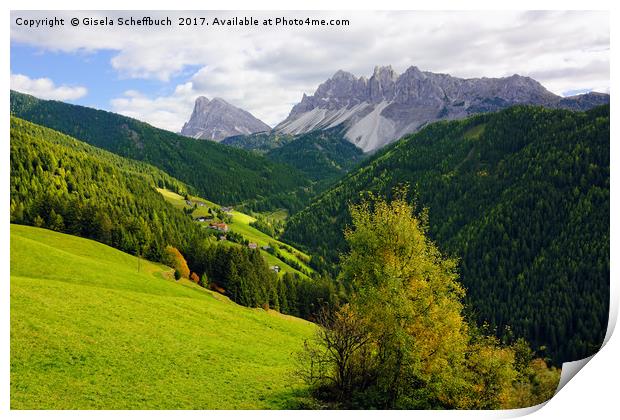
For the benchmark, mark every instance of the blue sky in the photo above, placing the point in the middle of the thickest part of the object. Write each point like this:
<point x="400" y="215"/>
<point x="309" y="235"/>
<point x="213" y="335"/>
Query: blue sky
<point x="89" y="69"/>
<point x="155" y="74"/>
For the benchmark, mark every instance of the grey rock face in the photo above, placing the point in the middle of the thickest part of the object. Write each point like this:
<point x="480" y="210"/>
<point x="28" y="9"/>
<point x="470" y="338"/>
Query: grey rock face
<point x="583" y="102"/>
<point x="217" y="119"/>
<point x="379" y="110"/>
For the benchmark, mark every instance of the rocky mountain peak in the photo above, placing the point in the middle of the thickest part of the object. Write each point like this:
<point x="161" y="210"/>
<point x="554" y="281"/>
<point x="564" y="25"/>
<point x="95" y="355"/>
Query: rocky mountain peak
<point x="201" y="103"/>
<point x="381" y="84"/>
<point x="379" y="110"/>
<point x="343" y="75"/>
<point x="384" y="72"/>
<point x="413" y="72"/>
<point x="217" y="119"/>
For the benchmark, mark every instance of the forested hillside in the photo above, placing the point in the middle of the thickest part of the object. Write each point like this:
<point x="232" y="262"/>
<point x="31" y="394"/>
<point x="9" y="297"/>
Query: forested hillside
<point x="224" y="174"/>
<point x="320" y="155"/>
<point x="65" y="185"/>
<point x="521" y="197"/>
<point x="259" y="142"/>
<point x="69" y="186"/>
<point x="323" y="156"/>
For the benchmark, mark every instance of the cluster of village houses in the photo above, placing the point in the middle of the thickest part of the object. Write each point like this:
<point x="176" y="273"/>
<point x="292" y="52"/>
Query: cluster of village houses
<point x="223" y="227"/>
<point x="219" y="226"/>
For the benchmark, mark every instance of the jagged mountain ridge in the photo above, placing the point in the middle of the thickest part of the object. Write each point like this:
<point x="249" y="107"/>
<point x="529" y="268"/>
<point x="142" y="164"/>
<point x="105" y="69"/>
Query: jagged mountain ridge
<point x="216" y="119"/>
<point x="383" y="108"/>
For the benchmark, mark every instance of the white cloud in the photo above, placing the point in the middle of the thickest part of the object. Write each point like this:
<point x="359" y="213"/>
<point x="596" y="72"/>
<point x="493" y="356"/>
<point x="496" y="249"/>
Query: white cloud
<point x="45" y="88"/>
<point x="168" y="112"/>
<point x="265" y="70"/>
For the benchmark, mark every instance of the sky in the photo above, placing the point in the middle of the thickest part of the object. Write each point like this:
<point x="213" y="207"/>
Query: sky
<point x="155" y="73"/>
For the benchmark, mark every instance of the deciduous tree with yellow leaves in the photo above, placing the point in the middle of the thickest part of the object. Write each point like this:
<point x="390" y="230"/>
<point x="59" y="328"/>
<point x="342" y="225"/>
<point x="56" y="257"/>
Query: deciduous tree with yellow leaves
<point x="402" y="340"/>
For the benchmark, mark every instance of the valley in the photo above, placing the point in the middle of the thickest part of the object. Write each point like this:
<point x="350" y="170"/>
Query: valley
<point x="235" y="221"/>
<point x="155" y="270"/>
<point x="381" y="210"/>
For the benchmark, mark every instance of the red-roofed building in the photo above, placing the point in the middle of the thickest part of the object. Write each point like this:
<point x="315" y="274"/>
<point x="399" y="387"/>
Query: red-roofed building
<point x="222" y="227"/>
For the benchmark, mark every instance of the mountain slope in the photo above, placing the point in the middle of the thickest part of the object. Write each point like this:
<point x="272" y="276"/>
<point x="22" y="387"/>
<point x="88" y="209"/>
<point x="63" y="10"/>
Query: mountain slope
<point x="93" y="328"/>
<point x="521" y="197"/>
<point x="217" y="119"/>
<point x="67" y="185"/>
<point x="224" y="174"/>
<point x="323" y="156"/>
<point x="320" y="155"/>
<point x="259" y="142"/>
<point x="383" y="108"/>
<point x="241" y="223"/>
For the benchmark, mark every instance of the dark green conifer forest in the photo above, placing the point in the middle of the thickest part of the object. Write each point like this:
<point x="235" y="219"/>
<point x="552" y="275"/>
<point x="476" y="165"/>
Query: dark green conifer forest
<point x="520" y="198"/>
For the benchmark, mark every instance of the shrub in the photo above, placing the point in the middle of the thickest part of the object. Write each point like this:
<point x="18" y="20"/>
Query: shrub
<point x="203" y="282"/>
<point x="173" y="258"/>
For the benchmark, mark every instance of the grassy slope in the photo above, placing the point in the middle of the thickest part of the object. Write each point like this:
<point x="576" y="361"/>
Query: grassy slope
<point x="90" y="331"/>
<point x="241" y="224"/>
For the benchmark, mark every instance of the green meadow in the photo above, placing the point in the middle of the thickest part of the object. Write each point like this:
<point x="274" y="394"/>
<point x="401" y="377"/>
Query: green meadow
<point x="241" y="224"/>
<point x="94" y="328"/>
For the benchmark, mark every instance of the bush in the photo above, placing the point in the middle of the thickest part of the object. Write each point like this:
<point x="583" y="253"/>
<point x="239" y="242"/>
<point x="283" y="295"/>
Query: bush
<point x="173" y="258"/>
<point x="204" y="282"/>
